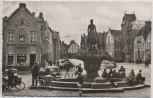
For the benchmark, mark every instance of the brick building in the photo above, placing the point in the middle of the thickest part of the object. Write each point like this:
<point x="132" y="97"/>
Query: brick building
<point x="26" y="38"/>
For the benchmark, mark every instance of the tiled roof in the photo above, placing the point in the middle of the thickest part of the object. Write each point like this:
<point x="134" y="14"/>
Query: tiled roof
<point x="18" y="9"/>
<point x="145" y="30"/>
<point x="115" y="31"/>
<point x="138" y="24"/>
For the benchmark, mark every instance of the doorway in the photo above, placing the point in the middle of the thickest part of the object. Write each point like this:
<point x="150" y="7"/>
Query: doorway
<point x="32" y="59"/>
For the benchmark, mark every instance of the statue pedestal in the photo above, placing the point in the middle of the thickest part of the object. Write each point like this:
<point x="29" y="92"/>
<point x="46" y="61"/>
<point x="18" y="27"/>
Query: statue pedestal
<point x="92" y="62"/>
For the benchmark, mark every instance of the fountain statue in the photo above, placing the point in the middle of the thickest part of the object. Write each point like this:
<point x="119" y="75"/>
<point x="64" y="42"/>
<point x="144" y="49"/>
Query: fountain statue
<point x="92" y="57"/>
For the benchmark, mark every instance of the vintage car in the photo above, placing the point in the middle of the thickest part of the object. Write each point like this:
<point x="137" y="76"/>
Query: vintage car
<point x="53" y="70"/>
<point x="63" y="63"/>
<point x="108" y="64"/>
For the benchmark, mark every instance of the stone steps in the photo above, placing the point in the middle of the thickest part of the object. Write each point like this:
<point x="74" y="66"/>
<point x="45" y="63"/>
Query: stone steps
<point x="90" y="90"/>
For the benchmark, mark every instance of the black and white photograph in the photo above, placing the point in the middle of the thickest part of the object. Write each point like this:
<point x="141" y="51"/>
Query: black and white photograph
<point x="76" y="49"/>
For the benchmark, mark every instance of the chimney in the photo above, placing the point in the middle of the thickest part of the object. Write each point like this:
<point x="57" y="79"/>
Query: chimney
<point x="22" y="5"/>
<point x="33" y="14"/>
<point x="41" y="16"/>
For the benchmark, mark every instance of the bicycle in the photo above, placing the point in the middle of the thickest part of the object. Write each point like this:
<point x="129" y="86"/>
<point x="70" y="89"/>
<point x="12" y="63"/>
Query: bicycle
<point x="15" y="83"/>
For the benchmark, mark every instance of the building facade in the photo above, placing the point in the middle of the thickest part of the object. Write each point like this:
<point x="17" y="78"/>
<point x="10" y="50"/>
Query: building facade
<point x="126" y="28"/>
<point x="63" y="50"/>
<point x="102" y="41"/>
<point x="142" y="43"/>
<point x="27" y="38"/>
<point x="73" y="49"/>
<point x="56" y="46"/>
<point x="112" y="39"/>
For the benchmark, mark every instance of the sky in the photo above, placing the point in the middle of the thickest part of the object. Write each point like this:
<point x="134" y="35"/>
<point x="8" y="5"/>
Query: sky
<point x="72" y="18"/>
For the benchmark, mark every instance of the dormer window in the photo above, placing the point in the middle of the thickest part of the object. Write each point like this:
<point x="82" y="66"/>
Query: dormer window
<point x="21" y="38"/>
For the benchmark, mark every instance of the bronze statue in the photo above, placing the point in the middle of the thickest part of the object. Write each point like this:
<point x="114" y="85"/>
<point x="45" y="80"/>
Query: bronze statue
<point x="92" y="35"/>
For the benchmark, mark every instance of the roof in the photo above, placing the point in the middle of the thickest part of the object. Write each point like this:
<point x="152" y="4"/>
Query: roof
<point x="114" y="31"/>
<point x="73" y="43"/>
<point x="128" y="18"/>
<point x="145" y="30"/>
<point x="22" y="6"/>
<point x="137" y="24"/>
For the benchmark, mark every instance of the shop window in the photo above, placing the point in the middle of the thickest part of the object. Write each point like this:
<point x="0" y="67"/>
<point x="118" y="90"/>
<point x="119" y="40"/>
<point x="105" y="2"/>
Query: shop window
<point x="21" y="59"/>
<point x="10" y="59"/>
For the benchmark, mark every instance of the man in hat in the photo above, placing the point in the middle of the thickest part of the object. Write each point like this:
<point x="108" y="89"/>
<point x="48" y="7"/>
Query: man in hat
<point x="34" y="71"/>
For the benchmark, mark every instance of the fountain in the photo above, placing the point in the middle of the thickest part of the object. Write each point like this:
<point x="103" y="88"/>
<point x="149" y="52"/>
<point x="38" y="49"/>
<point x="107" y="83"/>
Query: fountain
<point x="92" y="57"/>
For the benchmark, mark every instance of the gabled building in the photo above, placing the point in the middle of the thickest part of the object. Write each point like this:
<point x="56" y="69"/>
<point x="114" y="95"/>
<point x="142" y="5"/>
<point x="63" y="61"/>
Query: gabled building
<point x="22" y="40"/>
<point x="142" y="43"/>
<point x="73" y="49"/>
<point x="28" y="39"/>
<point x="113" y="38"/>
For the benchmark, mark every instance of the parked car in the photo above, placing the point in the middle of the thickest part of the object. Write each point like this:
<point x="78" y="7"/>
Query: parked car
<point x="54" y="71"/>
<point x="108" y="64"/>
<point x="63" y="63"/>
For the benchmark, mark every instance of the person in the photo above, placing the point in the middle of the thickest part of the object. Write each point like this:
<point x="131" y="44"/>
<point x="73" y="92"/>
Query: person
<point x="80" y="81"/>
<point x="132" y="73"/>
<point x="57" y="62"/>
<point x="34" y="71"/>
<point x="92" y="35"/>
<point x="122" y="72"/>
<point x="104" y="74"/>
<point x="139" y="77"/>
<point x="114" y="74"/>
<point x="109" y="75"/>
<point x="130" y="78"/>
<point x="74" y="71"/>
<point x="10" y="75"/>
<point x="146" y="63"/>
<point x="67" y="71"/>
<point x="48" y="78"/>
<point x="79" y="68"/>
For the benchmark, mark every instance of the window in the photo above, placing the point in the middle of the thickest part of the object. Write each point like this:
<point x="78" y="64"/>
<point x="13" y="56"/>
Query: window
<point x="21" y="59"/>
<point x="10" y="36"/>
<point x="108" y="39"/>
<point x="33" y="37"/>
<point x="21" y="38"/>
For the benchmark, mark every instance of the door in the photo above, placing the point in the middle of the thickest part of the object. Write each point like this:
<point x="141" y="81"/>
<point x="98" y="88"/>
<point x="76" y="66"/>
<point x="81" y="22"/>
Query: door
<point x="32" y="59"/>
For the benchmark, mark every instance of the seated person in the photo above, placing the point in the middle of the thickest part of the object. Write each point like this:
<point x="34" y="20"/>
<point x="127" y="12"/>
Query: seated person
<point x="109" y="75"/>
<point x="139" y="77"/>
<point x="104" y="74"/>
<point x="130" y="78"/>
<point x="132" y="73"/>
<point x="122" y="69"/>
<point x="114" y="74"/>
<point x="122" y="72"/>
